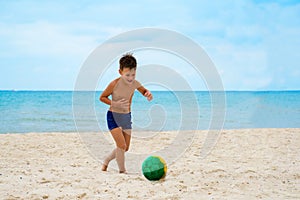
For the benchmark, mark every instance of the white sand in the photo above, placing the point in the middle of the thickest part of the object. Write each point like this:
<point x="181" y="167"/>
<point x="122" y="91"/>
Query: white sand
<point x="244" y="164"/>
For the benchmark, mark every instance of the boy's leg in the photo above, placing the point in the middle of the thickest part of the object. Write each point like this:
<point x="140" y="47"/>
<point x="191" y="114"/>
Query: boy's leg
<point x="121" y="147"/>
<point x="109" y="158"/>
<point x="120" y="158"/>
<point x="127" y="136"/>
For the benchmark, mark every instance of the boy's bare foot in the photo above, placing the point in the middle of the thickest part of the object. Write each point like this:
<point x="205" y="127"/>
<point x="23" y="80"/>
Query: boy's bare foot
<point x="122" y="172"/>
<point x="104" y="167"/>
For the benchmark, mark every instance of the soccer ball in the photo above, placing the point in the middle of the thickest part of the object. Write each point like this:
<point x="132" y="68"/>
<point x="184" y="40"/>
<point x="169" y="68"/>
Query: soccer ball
<point x="154" y="168"/>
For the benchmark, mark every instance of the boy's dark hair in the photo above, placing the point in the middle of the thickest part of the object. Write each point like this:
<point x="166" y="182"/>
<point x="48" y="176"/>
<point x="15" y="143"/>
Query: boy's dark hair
<point x="127" y="61"/>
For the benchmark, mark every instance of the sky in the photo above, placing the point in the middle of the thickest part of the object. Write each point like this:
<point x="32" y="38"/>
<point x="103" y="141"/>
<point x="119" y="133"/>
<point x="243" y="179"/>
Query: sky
<point x="254" y="44"/>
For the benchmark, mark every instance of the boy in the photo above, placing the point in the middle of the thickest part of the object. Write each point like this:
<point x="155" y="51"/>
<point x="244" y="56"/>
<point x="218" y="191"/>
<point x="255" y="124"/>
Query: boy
<point x="119" y="115"/>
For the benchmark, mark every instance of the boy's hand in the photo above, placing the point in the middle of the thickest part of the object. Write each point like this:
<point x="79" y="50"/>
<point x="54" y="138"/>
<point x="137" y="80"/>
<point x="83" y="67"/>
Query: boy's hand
<point x="120" y="103"/>
<point x="148" y="95"/>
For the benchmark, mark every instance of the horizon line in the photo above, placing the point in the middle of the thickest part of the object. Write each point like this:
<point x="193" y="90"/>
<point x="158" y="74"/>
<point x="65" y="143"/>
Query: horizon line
<point x="53" y="90"/>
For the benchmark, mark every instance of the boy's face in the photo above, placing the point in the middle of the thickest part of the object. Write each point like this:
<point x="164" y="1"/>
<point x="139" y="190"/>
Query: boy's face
<point x="128" y="75"/>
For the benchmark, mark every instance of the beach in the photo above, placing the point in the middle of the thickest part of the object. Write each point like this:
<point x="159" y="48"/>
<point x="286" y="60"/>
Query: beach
<point x="243" y="164"/>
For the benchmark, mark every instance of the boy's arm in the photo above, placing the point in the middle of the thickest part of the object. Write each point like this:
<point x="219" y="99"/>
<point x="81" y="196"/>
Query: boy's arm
<point x="145" y="93"/>
<point x="107" y="92"/>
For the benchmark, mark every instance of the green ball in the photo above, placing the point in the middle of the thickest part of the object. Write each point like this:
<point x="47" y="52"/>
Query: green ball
<point x="154" y="168"/>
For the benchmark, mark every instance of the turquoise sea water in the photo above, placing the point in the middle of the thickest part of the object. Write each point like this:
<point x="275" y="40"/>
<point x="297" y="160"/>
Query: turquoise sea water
<point x="53" y="111"/>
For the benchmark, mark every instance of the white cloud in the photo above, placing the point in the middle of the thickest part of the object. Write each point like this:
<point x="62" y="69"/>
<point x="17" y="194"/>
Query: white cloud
<point x="46" y="39"/>
<point x="242" y="68"/>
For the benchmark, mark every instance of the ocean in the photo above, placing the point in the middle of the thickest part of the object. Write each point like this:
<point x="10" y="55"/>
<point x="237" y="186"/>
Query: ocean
<point x="58" y="111"/>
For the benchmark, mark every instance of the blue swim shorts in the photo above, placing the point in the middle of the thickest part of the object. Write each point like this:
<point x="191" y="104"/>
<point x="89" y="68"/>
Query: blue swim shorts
<point x="115" y="120"/>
